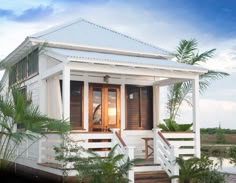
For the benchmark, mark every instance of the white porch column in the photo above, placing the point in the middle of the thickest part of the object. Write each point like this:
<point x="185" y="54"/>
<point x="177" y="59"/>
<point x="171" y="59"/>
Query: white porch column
<point x="122" y="106"/>
<point x="156" y="106"/>
<point x="86" y="107"/>
<point x="43" y="96"/>
<point x="66" y="92"/>
<point x="196" y="125"/>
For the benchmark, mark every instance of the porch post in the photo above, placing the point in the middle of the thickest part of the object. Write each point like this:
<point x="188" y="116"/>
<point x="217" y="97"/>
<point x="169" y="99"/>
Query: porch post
<point x="156" y="106"/>
<point x="86" y="108"/>
<point x="66" y="92"/>
<point x="43" y="96"/>
<point x="196" y="125"/>
<point x="122" y="106"/>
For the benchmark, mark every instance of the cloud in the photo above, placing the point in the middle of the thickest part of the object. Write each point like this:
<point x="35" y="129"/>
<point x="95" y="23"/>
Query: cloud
<point x="28" y="15"/>
<point x="225" y="58"/>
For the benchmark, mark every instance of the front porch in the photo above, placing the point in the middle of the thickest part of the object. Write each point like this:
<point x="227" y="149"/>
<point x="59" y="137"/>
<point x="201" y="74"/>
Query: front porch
<point x="93" y="81"/>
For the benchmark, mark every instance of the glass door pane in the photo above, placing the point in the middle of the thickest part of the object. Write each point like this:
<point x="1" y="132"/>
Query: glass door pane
<point x="112" y="106"/>
<point x="97" y="106"/>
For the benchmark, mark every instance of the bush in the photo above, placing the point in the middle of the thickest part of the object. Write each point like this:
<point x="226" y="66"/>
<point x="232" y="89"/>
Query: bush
<point x="198" y="170"/>
<point x="232" y="155"/>
<point x="171" y="125"/>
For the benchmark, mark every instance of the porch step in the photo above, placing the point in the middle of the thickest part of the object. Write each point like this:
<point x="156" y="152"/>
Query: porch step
<point x="151" y="177"/>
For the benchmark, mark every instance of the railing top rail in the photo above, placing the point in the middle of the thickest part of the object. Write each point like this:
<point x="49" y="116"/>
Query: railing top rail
<point x="120" y="139"/>
<point x="163" y="138"/>
<point x="74" y="132"/>
<point x="178" y="132"/>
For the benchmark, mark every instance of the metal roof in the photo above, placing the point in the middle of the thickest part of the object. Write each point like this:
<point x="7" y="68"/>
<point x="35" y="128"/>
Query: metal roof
<point x="124" y="60"/>
<point x="83" y="32"/>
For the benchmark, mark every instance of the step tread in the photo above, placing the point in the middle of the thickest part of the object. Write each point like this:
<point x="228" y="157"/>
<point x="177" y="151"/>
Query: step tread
<point x="151" y="177"/>
<point x="148" y="164"/>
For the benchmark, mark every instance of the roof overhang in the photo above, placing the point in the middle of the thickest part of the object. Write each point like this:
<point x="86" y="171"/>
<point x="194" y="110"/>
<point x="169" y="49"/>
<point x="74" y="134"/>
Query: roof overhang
<point x="92" y="58"/>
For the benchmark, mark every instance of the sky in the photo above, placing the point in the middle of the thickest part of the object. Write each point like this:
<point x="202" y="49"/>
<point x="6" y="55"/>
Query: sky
<point x="160" y="22"/>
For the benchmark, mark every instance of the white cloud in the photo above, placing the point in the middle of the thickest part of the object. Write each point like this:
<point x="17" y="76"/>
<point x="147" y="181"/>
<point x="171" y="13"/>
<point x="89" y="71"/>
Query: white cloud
<point x="212" y="113"/>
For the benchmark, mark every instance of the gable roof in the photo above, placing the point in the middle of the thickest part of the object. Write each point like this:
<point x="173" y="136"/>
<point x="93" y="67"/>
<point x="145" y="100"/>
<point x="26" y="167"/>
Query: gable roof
<point x="83" y="32"/>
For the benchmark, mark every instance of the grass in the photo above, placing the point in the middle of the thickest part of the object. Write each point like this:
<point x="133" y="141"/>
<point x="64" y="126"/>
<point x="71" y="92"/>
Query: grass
<point x="211" y="148"/>
<point x="211" y="138"/>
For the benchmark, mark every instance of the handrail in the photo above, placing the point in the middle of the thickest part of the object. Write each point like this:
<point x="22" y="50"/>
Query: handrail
<point x="178" y="132"/>
<point x="120" y="139"/>
<point x="74" y="132"/>
<point x="163" y="138"/>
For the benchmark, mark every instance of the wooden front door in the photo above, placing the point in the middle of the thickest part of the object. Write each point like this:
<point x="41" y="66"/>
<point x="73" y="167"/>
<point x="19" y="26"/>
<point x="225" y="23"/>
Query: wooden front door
<point x="104" y="107"/>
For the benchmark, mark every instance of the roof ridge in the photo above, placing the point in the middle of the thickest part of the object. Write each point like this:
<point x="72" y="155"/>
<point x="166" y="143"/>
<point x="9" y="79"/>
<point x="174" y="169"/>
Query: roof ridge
<point x="125" y="35"/>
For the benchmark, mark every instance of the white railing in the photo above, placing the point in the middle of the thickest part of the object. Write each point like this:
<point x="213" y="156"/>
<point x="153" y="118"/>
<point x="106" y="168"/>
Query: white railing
<point x="165" y="154"/>
<point x="98" y="142"/>
<point x="46" y="148"/>
<point x="183" y="142"/>
<point x="170" y="145"/>
<point x="122" y="148"/>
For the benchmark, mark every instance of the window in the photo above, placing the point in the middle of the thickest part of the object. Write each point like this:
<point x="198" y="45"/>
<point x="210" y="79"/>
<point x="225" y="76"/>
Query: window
<point x="25" y="68"/>
<point x="22" y="69"/>
<point x="12" y="75"/>
<point x="76" y="105"/>
<point x="33" y="63"/>
<point x="139" y="107"/>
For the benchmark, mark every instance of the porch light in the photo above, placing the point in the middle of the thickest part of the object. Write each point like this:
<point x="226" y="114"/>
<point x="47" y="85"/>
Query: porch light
<point x="106" y="78"/>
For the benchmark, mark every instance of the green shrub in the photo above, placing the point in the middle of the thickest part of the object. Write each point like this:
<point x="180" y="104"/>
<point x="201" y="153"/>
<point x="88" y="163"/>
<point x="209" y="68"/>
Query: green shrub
<point x="171" y="125"/>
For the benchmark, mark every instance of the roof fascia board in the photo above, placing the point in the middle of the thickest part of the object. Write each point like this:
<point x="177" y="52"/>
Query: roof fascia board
<point x="100" y="50"/>
<point x="98" y="68"/>
<point x="169" y="81"/>
<point x="201" y="71"/>
<point x="17" y="49"/>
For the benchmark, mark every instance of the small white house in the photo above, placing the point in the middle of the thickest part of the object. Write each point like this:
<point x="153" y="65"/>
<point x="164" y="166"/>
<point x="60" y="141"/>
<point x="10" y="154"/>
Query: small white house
<point x="108" y="85"/>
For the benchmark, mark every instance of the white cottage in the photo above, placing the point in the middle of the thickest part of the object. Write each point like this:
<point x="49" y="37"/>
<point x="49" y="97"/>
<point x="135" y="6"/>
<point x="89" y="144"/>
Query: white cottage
<point x="108" y="85"/>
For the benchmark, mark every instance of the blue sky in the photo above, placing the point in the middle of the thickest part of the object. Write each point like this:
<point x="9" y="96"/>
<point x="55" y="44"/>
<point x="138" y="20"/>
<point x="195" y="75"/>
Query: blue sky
<point x="161" y="22"/>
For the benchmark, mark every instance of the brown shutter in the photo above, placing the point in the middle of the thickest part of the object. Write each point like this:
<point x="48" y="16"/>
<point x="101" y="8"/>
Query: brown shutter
<point x="139" y="107"/>
<point x="76" y="105"/>
<point x="133" y="107"/>
<point x="147" y="108"/>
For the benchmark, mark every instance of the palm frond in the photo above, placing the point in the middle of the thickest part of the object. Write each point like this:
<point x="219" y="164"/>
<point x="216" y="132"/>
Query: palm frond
<point x="185" y="50"/>
<point x="201" y="58"/>
<point x="188" y="53"/>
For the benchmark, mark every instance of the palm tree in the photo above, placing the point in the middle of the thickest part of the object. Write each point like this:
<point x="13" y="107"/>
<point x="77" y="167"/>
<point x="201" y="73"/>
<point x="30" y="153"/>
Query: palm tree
<point x="188" y="53"/>
<point x="15" y="111"/>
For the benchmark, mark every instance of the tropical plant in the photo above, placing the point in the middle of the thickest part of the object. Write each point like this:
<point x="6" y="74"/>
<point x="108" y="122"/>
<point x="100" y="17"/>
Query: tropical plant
<point x="96" y="169"/>
<point x="198" y="170"/>
<point x="188" y="53"/>
<point x="171" y="125"/>
<point x="15" y="111"/>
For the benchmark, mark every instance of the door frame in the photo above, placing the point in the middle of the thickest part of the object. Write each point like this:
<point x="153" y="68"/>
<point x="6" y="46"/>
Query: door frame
<point x="104" y="89"/>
